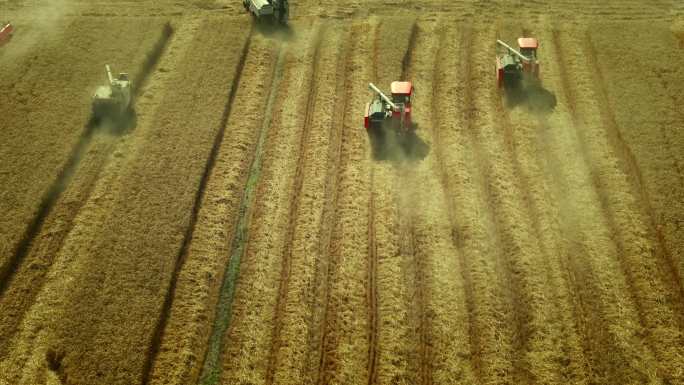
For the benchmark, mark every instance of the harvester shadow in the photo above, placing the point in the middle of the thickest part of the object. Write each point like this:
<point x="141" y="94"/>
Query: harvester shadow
<point x="386" y="145"/>
<point x="115" y="126"/>
<point x="274" y="30"/>
<point x="533" y="97"/>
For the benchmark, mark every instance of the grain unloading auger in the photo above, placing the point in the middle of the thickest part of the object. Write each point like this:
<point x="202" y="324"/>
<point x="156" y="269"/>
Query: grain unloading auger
<point x="394" y="113"/>
<point x="114" y="99"/>
<point x="515" y="66"/>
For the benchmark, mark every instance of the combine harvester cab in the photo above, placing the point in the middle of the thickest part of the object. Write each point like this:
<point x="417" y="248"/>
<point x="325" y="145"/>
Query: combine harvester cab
<point x="514" y="67"/>
<point x="276" y="11"/>
<point x="6" y="31"/>
<point x="112" y="100"/>
<point x="383" y="112"/>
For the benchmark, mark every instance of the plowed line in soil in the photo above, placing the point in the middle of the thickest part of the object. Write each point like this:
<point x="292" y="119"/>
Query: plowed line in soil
<point x="294" y="208"/>
<point x="211" y="367"/>
<point x="372" y="286"/>
<point x="67" y="172"/>
<point x="330" y="215"/>
<point x="632" y="170"/>
<point x="155" y="344"/>
<point x="474" y="339"/>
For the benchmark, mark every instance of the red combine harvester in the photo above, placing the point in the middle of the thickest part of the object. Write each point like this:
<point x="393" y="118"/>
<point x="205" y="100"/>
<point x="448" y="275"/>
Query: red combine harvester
<point x="6" y="30"/>
<point x="395" y="114"/>
<point x="514" y="67"/>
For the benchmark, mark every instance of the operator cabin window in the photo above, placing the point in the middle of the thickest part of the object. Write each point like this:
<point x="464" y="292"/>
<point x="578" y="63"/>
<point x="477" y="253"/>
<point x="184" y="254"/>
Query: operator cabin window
<point x="528" y="52"/>
<point x="400" y="99"/>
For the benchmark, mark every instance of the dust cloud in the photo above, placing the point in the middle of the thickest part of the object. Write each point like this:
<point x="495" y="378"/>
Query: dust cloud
<point x="45" y="19"/>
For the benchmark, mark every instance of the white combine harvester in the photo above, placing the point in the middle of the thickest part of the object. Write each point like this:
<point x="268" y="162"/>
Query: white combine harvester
<point x="268" y="10"/>
<point x="112" y="100"/>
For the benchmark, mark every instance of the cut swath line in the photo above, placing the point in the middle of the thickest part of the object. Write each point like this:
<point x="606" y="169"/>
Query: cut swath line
<point x="482" y="165"/>
<point x="295" y="198"/>
<point x="372" y="286"/>
<point x="474" y="342"/>
<point x="408" y="229"/>
<point x="211" y="369"/>
<point x="330" y="214"/>
<point x="182" y="255"/>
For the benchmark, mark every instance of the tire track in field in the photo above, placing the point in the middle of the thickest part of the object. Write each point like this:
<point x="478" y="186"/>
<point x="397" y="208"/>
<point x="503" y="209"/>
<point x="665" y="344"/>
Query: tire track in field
<point x="372" y="286"/>
<point x="456" y="240"/>
<point x="632" y="172"/>
<point x="211" y="367"/>
<point x="324" y="270"/>
<point x="296" y="359"/>
<point x="153" y="350"/>
<point x="514" y="303"/>
<point x="552" y="336"/>
<point x="408" y="232"/>
<point x="341" y="359"/>
<point x="537" y="332"/>
<point x="294" y="208"/>
<point x="540" y="263"/>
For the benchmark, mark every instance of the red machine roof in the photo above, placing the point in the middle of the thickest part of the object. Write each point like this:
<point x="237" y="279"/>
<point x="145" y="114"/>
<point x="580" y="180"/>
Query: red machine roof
<point x="528" y="42"/>
<point x="401" y="88"/>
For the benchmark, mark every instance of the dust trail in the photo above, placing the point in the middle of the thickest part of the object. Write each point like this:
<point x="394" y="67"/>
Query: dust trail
<point x="45" y="20"/>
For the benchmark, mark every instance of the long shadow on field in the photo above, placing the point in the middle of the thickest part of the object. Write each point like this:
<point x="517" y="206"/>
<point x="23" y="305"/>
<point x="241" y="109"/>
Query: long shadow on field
<point x="534" y="97"/>
<point x="386" y="145"/>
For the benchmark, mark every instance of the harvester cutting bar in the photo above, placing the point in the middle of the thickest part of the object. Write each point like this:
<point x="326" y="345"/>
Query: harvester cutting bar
<point x="508" y="47"/>
<point x="383" y="96"/>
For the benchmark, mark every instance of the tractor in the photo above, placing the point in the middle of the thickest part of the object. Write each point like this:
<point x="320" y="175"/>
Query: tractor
<point x="517" y="68"/>
<point x="113" y="100"/>
<point x="275" y="11"/>
<point x="6" y="31"/>
<point x="394" y="114"/>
